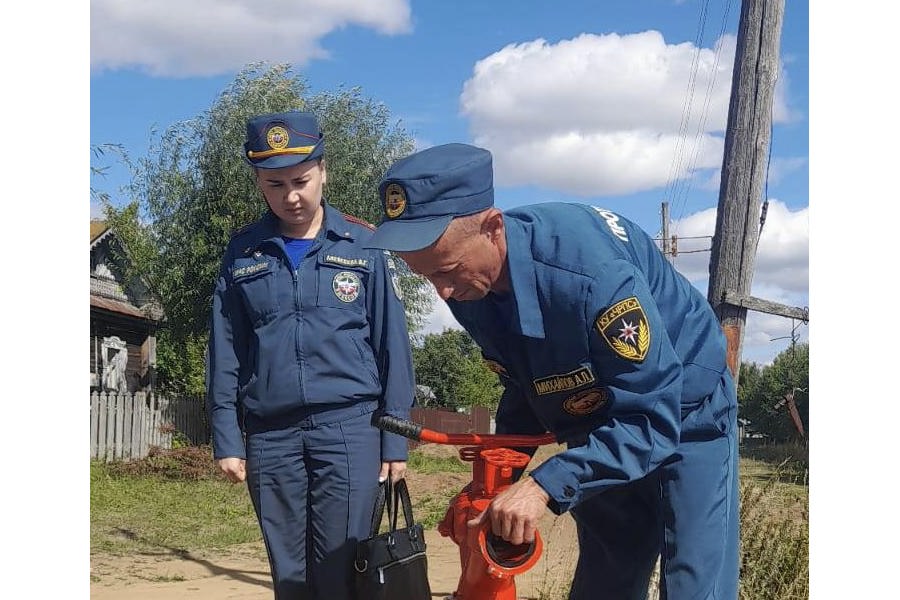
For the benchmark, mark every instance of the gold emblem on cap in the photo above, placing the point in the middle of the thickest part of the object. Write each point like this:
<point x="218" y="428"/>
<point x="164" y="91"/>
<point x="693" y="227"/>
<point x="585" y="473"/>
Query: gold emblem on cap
<point x="394" y="200"/>
<point x="277" y="137"/>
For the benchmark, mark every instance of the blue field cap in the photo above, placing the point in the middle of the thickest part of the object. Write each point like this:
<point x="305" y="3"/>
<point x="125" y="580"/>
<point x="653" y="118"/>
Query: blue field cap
<point x="283" y="139"/>
<point x="422" y="193"/>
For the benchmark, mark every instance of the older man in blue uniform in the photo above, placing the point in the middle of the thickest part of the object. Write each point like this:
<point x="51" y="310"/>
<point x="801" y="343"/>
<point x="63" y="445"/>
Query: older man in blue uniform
<point x="598" y="339"/>
<point x="308" y="337"/>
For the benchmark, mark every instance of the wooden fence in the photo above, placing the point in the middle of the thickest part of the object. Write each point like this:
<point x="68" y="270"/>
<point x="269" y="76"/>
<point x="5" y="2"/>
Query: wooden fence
<point x="125" y="426"/>
<point x="476" y="420"/>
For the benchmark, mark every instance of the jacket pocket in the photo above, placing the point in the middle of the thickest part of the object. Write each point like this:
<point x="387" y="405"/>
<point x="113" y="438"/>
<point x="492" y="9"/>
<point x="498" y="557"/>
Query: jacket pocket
<point x="259" y="294"/>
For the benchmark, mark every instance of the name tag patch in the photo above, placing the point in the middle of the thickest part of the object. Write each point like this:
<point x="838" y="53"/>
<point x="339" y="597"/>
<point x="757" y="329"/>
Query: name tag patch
<point x="249" y="270"/>
<point x="343" y="261"/>
<point x="564" y="382"/>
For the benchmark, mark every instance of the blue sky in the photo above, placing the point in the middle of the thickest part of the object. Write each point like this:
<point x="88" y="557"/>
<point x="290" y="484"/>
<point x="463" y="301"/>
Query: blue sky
<point x="619" y="104"/>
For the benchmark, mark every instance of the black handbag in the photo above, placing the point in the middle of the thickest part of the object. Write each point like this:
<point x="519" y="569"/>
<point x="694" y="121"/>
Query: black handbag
<point x="392" y="565"/>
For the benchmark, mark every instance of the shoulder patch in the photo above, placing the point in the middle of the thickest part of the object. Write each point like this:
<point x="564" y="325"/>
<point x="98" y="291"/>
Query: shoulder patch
<point x="358" y="221"/>
<point x="625" y="328"/>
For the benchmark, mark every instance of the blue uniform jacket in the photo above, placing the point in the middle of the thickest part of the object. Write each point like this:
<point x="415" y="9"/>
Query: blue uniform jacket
<point x="284" y="343"/>
<point x="601" y="342"/>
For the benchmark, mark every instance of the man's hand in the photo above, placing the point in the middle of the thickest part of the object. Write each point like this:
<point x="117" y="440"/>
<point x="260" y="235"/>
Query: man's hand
<point x="234" y="468"/>
<point x="395" y="468"/>
<point x="514" y="513"/>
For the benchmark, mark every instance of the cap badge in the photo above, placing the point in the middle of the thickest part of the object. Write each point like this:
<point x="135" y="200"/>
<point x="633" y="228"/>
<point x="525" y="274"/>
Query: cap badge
<point x="277" y="137"/>
<point x="394" y="200"/>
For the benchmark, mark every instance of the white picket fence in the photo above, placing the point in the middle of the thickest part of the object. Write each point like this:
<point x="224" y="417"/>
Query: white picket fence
<point x="125" y="426"/>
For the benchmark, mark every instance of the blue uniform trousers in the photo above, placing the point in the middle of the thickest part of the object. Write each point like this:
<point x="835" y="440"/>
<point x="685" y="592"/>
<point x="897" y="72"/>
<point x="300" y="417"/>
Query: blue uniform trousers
<point x="313" y="486"/>
<point x="686" y="511"/>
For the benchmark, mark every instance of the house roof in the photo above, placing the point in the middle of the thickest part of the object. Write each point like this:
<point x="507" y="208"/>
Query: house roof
<point x="150" y="312"/>
<point x="101" y="290"/>
<point x="117" y="306"/>
<point x="97" y="227"/>
<point x="99" y="231"/>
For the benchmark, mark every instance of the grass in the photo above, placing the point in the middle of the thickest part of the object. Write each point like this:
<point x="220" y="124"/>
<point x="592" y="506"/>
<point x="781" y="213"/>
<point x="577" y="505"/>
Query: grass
<point x="422" y="462"/>
<point x="774" y="529"/>
<point x="144" y="507"/>
<point x="176" y="501"/>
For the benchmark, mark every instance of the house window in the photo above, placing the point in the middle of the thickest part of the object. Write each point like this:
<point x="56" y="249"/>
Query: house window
<point x="114" y="352"/>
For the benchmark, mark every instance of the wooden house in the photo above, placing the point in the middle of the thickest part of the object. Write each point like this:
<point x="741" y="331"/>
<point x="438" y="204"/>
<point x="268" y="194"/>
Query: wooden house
<point x="124" y="320"/>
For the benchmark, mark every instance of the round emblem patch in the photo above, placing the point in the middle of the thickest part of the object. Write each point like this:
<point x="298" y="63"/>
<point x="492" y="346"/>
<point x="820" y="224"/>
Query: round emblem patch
<point x="586" y="401"/>
<point x="346" y="286"/>
<point x="394" y="200"/>
<point x="277" y="137"/>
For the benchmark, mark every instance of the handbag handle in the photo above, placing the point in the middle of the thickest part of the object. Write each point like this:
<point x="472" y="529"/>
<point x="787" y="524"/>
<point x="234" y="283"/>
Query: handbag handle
<point x="389" y="496"/>
<point x="378" y="510"/>
<point x="400" y="493"/>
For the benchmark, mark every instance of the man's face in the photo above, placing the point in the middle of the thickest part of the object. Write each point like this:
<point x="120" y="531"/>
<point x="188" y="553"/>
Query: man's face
<point x="293" y="193"/>
<point x="459" y="265"/>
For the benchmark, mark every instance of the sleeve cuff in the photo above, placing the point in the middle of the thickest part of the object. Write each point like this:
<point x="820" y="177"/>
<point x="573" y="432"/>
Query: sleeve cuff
<point x="563" y="488"/>
<point x="393" y="447"/>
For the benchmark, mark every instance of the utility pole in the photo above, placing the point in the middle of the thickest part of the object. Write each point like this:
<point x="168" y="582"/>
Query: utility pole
<point x="747" y="140"/>
<point x="666" y="245"/>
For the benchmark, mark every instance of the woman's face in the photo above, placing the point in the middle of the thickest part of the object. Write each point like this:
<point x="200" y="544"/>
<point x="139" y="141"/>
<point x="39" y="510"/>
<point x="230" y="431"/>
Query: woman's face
<point x="294" y="193"/>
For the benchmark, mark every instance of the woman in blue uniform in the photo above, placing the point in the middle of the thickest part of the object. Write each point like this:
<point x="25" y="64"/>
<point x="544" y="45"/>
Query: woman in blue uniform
<point x="307" y="338"/>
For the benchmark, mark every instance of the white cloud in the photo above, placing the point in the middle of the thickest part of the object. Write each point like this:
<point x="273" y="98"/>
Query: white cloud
<point x="209" y="37"/>
<point x="782" y="257"/>
<point x="781" y="275"/>
<point x="603" y="114"/>
<point x="440" y="318"/>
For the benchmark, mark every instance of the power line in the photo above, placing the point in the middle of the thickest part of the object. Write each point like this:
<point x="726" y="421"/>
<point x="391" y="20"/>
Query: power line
<point x="704" y="114"/>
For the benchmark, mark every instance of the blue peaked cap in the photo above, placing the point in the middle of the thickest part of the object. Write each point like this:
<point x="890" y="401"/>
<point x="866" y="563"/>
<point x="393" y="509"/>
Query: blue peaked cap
<point x="422" y="193"/>
<point x="285" y="139"/>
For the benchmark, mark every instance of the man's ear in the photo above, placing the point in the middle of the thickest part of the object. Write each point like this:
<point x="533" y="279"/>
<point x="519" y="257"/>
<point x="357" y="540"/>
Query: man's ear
<point x="492" y="225"/>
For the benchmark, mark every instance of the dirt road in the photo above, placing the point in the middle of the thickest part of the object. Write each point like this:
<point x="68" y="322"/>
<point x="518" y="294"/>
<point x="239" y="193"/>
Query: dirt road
<point x="243" y="573"/>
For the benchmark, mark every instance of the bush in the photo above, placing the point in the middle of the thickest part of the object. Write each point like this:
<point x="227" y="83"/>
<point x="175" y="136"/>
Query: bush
<point x="191" y="463"/>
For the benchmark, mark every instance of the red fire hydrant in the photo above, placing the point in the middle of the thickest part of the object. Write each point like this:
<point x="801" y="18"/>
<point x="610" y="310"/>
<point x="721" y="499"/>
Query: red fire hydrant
<point x="489" y="564"/>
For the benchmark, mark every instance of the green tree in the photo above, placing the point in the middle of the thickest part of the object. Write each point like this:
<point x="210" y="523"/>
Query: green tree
<point x="193" y="190"/>
<point x="762" y="393"/>
<point x="450" y="363"/>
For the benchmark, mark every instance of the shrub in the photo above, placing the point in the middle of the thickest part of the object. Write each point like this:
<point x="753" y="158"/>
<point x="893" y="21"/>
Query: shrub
<point x="192" y="463"/>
